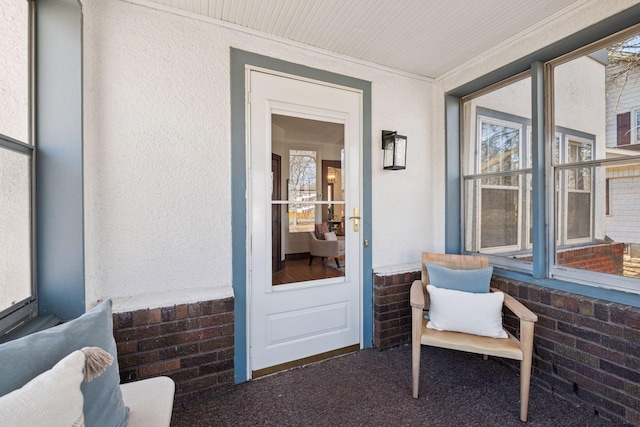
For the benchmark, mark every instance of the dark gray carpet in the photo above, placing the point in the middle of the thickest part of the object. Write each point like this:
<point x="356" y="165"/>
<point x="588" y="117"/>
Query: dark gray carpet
<point x="373" y="388"/>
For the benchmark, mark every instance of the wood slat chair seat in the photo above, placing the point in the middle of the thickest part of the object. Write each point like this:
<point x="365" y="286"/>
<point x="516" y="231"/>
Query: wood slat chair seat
<point x="511" y="347"/>
<point x="508" y="348"/>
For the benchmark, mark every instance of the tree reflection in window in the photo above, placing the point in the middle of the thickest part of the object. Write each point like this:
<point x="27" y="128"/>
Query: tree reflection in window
<point x="302" y="190"/>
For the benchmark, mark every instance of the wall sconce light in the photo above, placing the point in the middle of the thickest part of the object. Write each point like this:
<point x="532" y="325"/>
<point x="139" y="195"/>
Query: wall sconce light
<point x="331" y="175"/>
<point x="395" y="150"/>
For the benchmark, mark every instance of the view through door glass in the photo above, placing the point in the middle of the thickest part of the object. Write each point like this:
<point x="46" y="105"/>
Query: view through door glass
<point x="308" y="202"/>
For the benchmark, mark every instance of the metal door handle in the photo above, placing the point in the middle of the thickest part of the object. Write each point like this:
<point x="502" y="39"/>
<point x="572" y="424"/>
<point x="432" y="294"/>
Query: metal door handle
<point x="356" y="219"/>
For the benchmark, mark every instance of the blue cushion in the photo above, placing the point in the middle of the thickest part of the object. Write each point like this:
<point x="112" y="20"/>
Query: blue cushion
<point x="25" y="358"/>
<point x="476" y="281"/>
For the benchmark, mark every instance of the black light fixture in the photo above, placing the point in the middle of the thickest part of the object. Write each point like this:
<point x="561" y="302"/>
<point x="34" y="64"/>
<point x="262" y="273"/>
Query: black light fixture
<point x="395" y="150"/>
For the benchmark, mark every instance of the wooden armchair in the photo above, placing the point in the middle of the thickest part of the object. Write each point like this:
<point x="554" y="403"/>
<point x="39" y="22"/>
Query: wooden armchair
<point x="510" y="347"/>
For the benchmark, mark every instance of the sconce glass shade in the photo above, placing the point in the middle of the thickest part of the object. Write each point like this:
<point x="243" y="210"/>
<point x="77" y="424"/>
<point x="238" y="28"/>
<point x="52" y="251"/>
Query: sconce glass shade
<point x="395" y="150"/>
<point x="331" y="175"/>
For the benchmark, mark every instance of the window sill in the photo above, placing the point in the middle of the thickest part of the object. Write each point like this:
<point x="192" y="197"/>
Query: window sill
<point x="36" y="324"/>
<point x="611" y="295"/>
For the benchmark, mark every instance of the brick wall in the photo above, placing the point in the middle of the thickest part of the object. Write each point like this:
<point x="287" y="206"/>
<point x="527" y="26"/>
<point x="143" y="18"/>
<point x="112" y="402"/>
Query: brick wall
<point x="602" y="258"/>
<point x="391" y="309"/>
<point x="585" y="350"/>
<point x="191" y="343"/>
<point x="606" y="258"/>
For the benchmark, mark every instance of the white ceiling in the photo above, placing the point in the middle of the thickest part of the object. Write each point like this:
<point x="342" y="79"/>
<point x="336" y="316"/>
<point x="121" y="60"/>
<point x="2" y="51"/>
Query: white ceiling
<point x="422" y="37"/>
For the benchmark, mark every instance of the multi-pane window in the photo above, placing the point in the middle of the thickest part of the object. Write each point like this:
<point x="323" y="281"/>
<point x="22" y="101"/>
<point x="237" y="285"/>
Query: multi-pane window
<point x="16" y="162"/>
<point x="591" y="163"/>
<point x="497" y="177"/>
<point x="500" y="196"/>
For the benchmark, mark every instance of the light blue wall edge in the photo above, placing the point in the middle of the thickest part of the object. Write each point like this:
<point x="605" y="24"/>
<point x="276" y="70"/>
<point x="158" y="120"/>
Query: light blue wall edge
<point x="239" y="59"/>
<point x="59" y="172"/>
<point x="533" y="62"/>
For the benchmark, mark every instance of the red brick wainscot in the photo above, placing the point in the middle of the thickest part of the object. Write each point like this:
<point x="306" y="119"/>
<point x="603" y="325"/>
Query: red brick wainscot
<point x="391" y="309"/>
<point x="191" y="343"/>
<point x="586" y="350"/>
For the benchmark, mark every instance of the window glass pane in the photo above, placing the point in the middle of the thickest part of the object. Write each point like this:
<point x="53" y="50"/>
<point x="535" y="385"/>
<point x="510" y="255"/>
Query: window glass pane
<point x="596" y="105"/>
<point x="302" y="190"/>
<point x="499" y="147"/>
<point x="499" y="217"/>
<point x="497" y="190"/>
<point x="14" y="66"/>
<point x="579" y="211"/>
<point x="15" y="228"/>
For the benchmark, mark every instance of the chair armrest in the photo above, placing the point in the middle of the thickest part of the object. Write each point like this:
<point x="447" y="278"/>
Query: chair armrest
<point x="517" y="308"/>
<point x="324" y="245"/>
<point x="417" y="295"/>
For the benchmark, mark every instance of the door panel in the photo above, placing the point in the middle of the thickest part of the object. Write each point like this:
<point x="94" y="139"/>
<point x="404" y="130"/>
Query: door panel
<point x="308" y="317"/>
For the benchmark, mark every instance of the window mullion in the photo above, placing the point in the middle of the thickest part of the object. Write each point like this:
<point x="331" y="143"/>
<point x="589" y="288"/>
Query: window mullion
<point x="539" y="182"/>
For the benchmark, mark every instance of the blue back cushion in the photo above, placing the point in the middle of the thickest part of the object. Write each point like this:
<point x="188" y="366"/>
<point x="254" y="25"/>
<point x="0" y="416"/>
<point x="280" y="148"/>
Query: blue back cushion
<point x="25" y="358"/>
<point x="476" y="281"/>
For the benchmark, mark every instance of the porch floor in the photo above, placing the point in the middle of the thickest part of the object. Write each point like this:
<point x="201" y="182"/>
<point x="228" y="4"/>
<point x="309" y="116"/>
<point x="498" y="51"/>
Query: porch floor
<point x="373" y="388"/>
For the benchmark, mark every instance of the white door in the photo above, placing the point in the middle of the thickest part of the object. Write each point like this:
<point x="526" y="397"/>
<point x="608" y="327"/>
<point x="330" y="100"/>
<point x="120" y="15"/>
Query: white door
<point x="302" y="318"/>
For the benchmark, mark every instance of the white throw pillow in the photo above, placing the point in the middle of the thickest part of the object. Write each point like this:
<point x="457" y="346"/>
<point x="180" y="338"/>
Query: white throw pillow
<point x="53" y="398"/>
<point x="330" y="236"/>
<point x="467" y="312"/>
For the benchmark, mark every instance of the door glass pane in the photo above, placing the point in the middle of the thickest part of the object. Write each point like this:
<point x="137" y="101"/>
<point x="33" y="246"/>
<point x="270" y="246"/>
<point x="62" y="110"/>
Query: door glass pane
<point x="308" y="199"/>
<point x="15" y="228"/>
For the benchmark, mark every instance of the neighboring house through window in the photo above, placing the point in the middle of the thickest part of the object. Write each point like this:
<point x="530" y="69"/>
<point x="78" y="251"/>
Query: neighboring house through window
<point x="588" y="187"/>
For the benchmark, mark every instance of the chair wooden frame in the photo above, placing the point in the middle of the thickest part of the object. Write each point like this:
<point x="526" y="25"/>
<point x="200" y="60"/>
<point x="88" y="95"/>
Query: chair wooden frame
<point x="510" y="348"/>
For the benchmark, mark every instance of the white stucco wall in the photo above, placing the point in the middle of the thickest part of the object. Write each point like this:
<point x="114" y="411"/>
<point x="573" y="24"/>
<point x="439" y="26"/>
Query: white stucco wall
<point x="157" y="153"/>
<point x="14" y="75"/>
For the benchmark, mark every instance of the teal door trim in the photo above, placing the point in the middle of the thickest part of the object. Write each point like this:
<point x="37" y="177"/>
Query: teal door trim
<point x="239" y="61"/>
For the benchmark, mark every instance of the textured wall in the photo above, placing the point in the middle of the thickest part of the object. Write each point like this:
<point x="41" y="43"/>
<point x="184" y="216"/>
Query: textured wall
<point x="157" y="154"/>
<point x="14" y="78"/>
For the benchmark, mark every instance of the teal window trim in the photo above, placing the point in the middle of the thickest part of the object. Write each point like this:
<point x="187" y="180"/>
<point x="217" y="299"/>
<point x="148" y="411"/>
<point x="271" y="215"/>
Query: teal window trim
<point x="59" y="169"/>
<point x="535" y="63"/>
<point x="453" y="181"/>
<point x="239" y="60"/>
<point x="539" y="208"/>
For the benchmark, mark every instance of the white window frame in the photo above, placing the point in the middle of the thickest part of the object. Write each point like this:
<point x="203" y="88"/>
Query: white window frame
<point x="636" y="127"/>
<point x="480" y="120"/>
<point x="569" y="140"/>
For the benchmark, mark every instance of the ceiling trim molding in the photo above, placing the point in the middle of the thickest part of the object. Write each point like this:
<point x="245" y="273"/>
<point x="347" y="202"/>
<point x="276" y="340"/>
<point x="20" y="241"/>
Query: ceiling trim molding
<point x="177" y="11"/>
